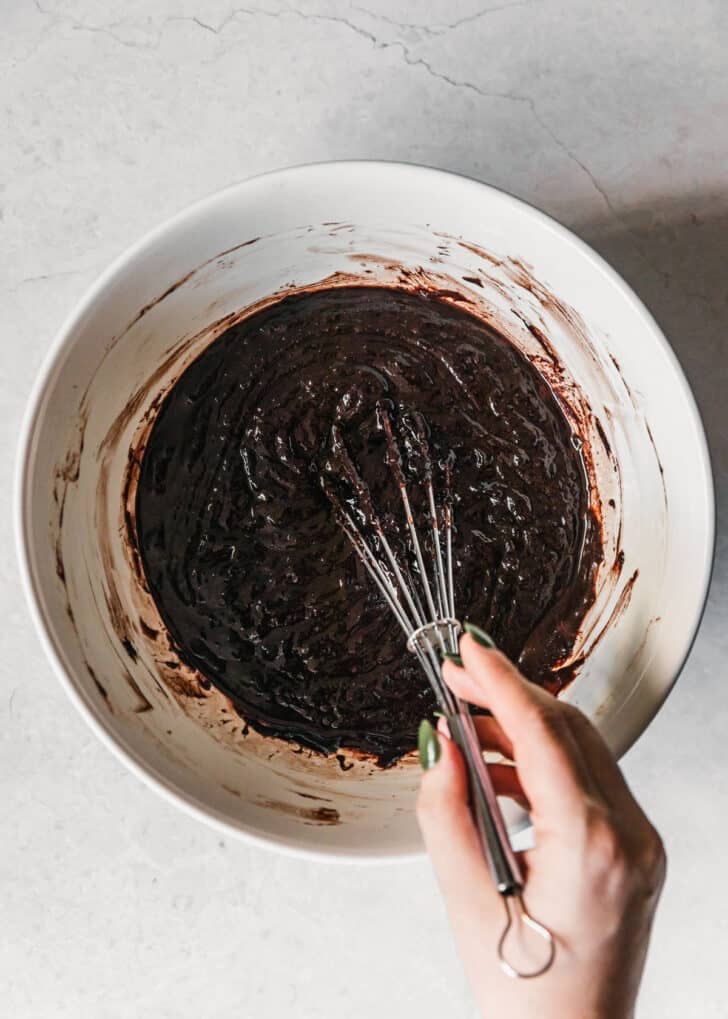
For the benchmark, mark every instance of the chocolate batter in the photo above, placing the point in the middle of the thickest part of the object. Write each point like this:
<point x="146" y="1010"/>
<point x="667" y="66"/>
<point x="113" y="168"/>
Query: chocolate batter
<point x="253" y="576"/>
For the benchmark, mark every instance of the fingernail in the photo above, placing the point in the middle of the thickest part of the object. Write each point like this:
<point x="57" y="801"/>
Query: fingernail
<point x="428" y="745"/>
<point x="455" y="659"/>
<point x="479" y="636"/>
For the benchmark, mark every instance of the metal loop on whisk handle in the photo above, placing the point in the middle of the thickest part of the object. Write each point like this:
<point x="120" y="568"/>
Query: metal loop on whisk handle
<point x="498" y="852"/>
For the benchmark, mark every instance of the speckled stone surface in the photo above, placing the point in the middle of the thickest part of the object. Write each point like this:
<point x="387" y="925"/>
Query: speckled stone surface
<point x="611" y="118"/>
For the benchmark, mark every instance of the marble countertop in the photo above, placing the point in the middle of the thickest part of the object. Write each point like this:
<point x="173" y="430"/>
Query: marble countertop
<point x="611" y="117"/>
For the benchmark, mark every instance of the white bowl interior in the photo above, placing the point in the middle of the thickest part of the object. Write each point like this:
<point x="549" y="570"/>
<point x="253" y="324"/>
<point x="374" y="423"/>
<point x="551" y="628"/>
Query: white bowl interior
<point x="164" y="301"/>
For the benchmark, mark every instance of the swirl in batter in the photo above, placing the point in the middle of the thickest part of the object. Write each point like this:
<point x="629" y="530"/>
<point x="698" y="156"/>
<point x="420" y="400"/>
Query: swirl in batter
<point x="257" y="584"/>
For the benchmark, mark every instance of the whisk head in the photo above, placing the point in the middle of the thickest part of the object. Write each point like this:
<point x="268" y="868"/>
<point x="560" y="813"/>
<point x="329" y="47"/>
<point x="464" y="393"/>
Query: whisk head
<point x="416" y="578"/>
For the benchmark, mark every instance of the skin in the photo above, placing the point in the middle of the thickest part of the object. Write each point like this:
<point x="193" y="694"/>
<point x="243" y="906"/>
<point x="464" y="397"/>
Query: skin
<point x="595" y="875"/>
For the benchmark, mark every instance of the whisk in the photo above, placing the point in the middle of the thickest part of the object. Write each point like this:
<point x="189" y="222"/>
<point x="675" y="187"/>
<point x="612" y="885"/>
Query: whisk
<point x="422" y="598"/>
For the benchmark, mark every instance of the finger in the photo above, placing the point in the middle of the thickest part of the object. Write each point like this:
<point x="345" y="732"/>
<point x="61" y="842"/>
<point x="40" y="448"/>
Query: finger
<point x="451" y="837"/>
<point x="504" y="776"/>
<point x="552" y="773"/>
<point x="602" y="766"/>
<point x="442" y="727"/>
<point x="492" y="737"/>
<point x="507" y="783"/>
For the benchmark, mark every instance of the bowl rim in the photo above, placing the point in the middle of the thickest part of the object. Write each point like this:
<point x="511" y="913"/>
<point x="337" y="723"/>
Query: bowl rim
<point x="135" y="761"/>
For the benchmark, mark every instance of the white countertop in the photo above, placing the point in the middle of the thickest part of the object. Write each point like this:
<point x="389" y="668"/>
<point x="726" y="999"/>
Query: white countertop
<point x="611" y="117"/>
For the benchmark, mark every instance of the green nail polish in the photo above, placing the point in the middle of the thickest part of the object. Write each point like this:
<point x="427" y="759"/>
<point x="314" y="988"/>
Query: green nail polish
<point x="428" y="745"/>
<point x="455" y="659"/>
<point x="479" y="636"/>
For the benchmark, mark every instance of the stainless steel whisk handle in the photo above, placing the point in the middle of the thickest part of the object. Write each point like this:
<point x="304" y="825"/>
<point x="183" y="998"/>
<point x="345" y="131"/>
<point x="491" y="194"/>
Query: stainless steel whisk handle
<point x="488" y="816"/>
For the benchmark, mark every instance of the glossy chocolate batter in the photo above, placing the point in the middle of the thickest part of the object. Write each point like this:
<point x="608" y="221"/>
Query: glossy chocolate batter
<point x="253" y="576"/>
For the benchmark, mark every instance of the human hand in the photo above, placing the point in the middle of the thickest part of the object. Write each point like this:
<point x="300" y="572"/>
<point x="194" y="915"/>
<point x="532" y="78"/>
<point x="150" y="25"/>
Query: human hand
<point x="595" y="874"/>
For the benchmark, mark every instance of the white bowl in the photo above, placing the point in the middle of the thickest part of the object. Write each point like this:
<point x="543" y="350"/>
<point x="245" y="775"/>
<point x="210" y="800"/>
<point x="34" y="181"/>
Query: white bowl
<point x="156" y="308"/>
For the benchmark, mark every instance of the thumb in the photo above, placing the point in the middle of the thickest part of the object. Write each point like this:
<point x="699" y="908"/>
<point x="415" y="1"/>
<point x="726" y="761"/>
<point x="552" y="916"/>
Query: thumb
<point x="450" y="835"/>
